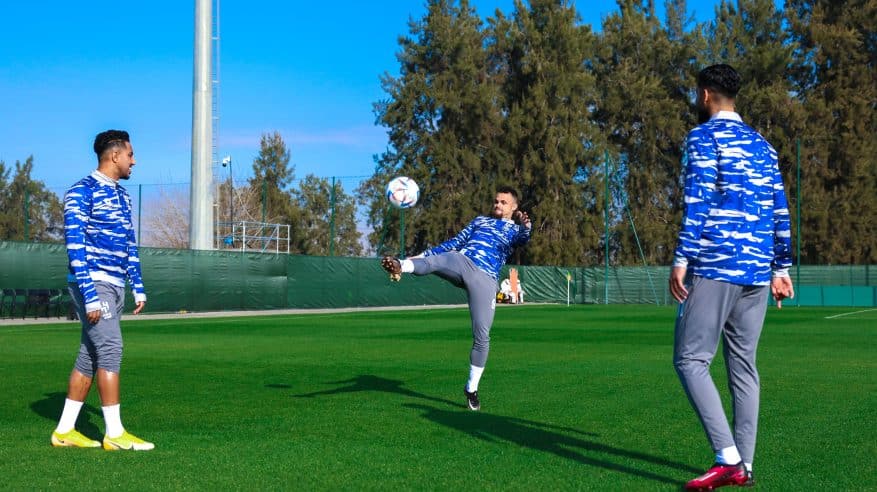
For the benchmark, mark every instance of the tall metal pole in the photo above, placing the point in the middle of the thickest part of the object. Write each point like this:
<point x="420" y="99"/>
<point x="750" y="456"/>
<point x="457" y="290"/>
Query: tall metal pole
<point x="139" y="213"/>
<point x="26" y="215"/>
<point x="606" y="237"/>
<point x="332" y="219"/>
<point x="201" y="196"/>
<point x="798" y="220"/>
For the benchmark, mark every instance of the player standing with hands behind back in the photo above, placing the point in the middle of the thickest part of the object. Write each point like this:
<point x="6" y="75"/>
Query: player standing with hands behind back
<point x="103" y="254"/>
<point x="472" y="260"/>
<point x="735" y="242"/>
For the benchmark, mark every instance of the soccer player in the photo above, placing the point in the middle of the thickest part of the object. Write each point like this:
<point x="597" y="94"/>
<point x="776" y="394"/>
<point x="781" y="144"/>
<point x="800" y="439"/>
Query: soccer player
<point x="472" y="260"/>
<point x="735" y="244"/>
<point x="102" y="255"/>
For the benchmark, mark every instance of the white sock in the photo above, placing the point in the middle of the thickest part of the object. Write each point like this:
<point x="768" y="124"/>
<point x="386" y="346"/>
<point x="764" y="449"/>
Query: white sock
<point x="748" y="466"/>
<point x="113" y="420"/>
<point x="728" y="456"/>
<point x="407" y="266"/>
<point x="474" y="377"/>
<point x="68" y="416"/>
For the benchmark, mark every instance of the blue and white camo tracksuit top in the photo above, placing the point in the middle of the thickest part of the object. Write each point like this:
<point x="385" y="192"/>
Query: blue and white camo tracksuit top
<point x="486" y="241"/>
<point x="100" y="238"/>
<point x="735" y="226"/>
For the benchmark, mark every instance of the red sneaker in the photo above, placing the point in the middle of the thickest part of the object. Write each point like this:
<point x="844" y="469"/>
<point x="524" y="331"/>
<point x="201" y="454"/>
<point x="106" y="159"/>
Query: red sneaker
<point x="719" y="476"/>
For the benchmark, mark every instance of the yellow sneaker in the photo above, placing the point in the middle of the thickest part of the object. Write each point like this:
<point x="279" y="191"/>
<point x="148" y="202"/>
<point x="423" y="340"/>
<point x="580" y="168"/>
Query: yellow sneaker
<point x="73" y="439"/>
<point x="126" y="441"/>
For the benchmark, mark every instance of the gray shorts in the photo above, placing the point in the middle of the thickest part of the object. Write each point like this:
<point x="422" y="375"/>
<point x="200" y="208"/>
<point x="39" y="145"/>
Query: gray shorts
<point x="100" y="346"/>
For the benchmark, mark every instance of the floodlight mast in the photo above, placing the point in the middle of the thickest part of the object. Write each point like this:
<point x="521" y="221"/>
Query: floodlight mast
<point x="201" y="199"/>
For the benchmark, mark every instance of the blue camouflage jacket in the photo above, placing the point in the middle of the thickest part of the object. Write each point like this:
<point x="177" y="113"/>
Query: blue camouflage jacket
<point x="735" y="227"/>
<point x="100" y="238"/>
<point x="486" y="241"/>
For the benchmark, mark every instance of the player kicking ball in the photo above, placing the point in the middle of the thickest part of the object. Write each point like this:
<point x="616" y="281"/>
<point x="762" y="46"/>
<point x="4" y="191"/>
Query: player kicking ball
<point x="472" y="260"/>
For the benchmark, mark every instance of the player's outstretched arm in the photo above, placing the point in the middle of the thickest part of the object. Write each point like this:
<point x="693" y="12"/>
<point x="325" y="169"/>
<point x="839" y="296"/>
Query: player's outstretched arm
<point x="453" y="244"/>
<point x="522" y="219"/>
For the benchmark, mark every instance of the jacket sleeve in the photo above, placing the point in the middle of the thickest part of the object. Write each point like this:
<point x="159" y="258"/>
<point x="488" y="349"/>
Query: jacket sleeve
<point x="455" y="243"/>
<point x="523" y="236"/>
<point x="134" y="276"/>
<point x="782" y="248"/>
<point x="77" y="210"/>
<point x="701" y="174"/>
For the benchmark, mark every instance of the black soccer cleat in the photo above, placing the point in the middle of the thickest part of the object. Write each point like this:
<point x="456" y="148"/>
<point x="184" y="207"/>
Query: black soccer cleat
<point x="472" y="400"/>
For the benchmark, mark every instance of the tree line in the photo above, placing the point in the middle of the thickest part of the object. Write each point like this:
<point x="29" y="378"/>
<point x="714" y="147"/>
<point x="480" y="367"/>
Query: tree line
<point x="543" y="102"/>
<point x="322" y="217"/>
<point x="320" y="213"/>
<point x="589" y="124"/>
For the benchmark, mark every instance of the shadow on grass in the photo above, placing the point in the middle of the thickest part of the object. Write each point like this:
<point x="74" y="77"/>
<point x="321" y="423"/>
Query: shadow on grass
<point x="371" y="383"/>
<point x="51" y="406"/>
<point x="565" y="442"/>
<point x="547" y="438"/>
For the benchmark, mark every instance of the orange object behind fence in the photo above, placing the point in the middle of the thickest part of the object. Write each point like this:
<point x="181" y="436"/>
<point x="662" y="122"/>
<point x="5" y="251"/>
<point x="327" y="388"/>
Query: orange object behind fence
<point x="513" y="279"/>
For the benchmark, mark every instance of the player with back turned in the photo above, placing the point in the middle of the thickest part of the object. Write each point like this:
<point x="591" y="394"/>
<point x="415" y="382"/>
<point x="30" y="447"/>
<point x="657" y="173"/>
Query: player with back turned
<point x="735" y="247"/>
<point x="472" y="260"/>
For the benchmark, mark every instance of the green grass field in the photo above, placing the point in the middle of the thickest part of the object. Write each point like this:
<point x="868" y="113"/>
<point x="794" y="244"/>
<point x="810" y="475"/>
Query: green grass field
<point x="581" y="397"/>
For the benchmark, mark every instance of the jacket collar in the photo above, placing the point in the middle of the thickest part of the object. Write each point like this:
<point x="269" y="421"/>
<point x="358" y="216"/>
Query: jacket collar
<point x="726" y="115"/>
<point x="103" y="178"/>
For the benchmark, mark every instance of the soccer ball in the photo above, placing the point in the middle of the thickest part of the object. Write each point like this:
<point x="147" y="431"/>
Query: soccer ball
<point x="403" y="192"/>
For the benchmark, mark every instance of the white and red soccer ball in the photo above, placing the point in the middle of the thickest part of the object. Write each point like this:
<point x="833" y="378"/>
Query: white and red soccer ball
<point x="402" y="192"/>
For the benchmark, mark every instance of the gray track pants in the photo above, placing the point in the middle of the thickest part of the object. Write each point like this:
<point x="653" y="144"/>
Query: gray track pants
<point x="101" y="344"/>
<point x="480" y="288"/>
<point x="735" y="313"/>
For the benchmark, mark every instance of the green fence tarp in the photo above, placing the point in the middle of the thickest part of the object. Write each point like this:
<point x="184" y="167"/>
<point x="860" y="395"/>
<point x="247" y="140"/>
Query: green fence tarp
<point x="332" y="282"/>
<point x="186" y="280"/>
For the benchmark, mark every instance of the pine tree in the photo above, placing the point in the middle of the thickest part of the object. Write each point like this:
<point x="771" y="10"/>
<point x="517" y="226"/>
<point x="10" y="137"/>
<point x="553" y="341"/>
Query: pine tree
<point x="548" y="95"/>
<point x="837" y="81"/>
<point x="443" y="123"/>
<point x="25" y="198"/>
<point x="313" y="229"/>
<point x="646" y="74"/>
<point x="273" y="173"/>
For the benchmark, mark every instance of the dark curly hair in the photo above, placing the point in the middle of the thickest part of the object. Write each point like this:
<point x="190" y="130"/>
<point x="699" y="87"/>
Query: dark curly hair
<point x="720" y="78"/>
<point x="108" y="140"/>
<point x="508" y="189"/>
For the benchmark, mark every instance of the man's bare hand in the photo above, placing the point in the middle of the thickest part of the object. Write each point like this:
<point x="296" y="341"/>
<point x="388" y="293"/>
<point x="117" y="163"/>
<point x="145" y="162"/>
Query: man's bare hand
<point x="677" y="283"/>
<point x="139" y="307"/>
<point x="93" y="316"/>
<point x="522" y="218"/>
<point x="781" y="288"/>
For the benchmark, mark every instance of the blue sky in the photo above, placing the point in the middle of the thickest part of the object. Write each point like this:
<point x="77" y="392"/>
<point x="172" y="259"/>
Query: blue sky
<point x="309" y="70"/>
